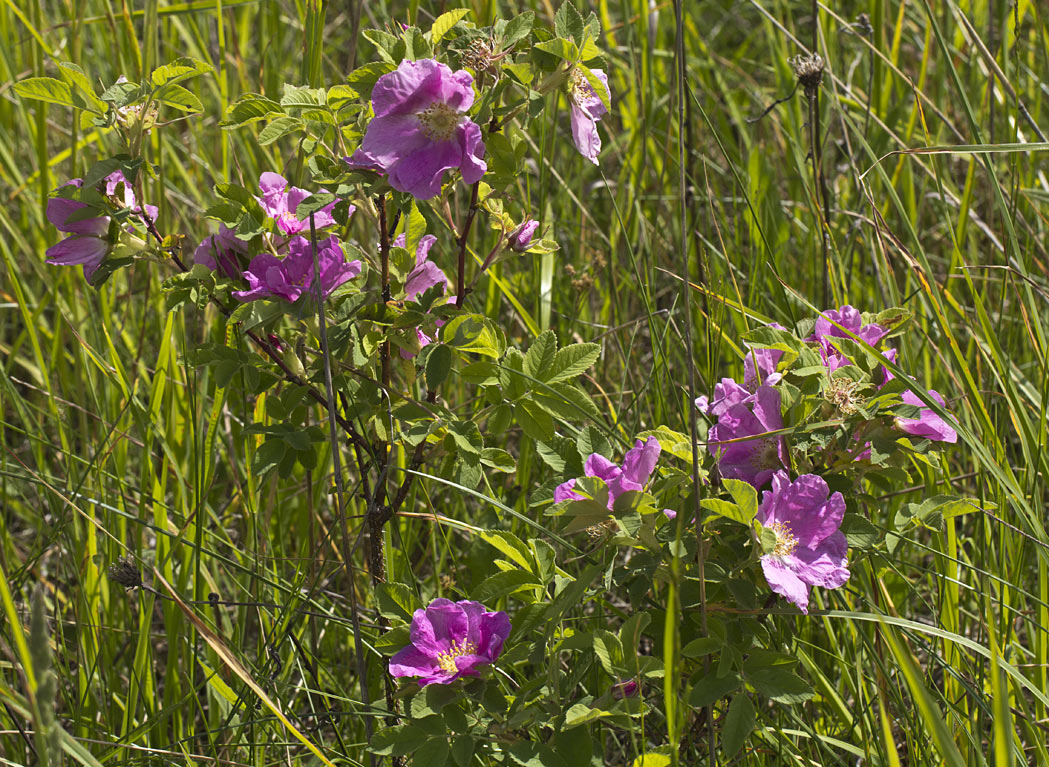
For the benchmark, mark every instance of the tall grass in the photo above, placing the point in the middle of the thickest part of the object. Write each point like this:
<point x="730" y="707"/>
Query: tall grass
<point x="933" y="154"/>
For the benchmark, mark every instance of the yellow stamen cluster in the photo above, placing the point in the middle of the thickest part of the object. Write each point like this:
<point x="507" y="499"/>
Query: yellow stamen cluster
<point x="446" y="659"/>
<point x="439" y="121"/>
<point x="580" y="87"/>
<point x="786" y="543"/>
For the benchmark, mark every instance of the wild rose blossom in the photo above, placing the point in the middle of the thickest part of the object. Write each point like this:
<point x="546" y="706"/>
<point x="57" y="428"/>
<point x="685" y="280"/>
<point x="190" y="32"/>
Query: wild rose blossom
<point x="420" y="129"/>
<point x="849" y="318"/>
<point x="759" y="365"/>
<point x="739" y="439"/>
<point x="221" y="252"/>
<point x="521" y="237"/>
<point x="638" y="465"/>
<point x="451" y="640"/>
<point x="280" y="201"/>
<point x="89" y="240"/>
<point x="927" y="424"/>
<point x="292" y="276"/>
<point x="587" y="110"/>
<point x="810" y="550"/>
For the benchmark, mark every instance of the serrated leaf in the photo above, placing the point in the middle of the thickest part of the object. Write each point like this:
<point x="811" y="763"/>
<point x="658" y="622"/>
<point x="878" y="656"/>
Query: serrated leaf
<point x="438" y="365"/>
<point x="561" y="48"/>
<point x="568" y="23"/>
<point x="510" y="546"/>
<point x="473" y="333"/>
<point x="396" y="601"/>
<point x="503" y="584"/>
<point x="443" y="23"/>
<point x="397" y="741"/>
<point x="518" y="28"/>
<point x="45" y="89"/>
<point x="745" y="496"/>
<point x="739" y="723"/>
<point x="303" y="97"/>
<point x="572" y="361"/>
<point x="535" y="421"/>
<point x="248" y="109"/>
<point x="278" y="128"/>
<point x="712" y="688"/>
<point x="566" y="401"/>
<point x="498" y="459"/>
<point x="179" y="69"/>
<point x="176" y="96"/>
<point x="540" y="355"/>
<point x="434" y="753"/>
<point x="780" y="684"/>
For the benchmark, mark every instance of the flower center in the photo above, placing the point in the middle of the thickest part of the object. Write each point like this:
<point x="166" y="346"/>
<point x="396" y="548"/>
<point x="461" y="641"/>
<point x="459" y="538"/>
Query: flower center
<point x="446" y="659"/>
<point x="439" y="121"/>
<point x="768" y="454"/>
<point x="842" y="393"/>
<point x="580" y="88"/>
<point x="785" y="540"/>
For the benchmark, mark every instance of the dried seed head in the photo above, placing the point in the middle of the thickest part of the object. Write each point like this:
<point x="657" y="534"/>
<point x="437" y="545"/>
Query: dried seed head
<point x="125" y="572"/>
<point x="863" y="25"/>
<point x="809" y="71"/>
<point x="843" y="394"/>
<point x="479" y="57"/>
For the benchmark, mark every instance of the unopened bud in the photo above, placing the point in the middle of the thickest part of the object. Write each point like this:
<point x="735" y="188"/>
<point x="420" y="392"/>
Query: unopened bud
<point x="521" y="237"/>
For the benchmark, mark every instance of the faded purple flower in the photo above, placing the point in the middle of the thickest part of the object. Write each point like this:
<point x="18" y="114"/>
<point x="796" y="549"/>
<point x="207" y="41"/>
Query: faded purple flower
<point x="426" y="274"/>
<point x="420" y="129"/>
<point x="809" y="550"/>
<point x="826" y="330"/>
<point x="927" y="424"/>
<point x="292" y="276"/>
<point x="87" y="243"/>
<point x="280" y="201"/>
<point x="89" y="240"/>
<point x="627" y="689"/>
<point x="638" y="465"/>
<point x="587" y="109"/>
<point x="450" y="640"/>
<point x="221" y="252"/>
<point x="521" y="237"/>
<point x="740" y="438"/>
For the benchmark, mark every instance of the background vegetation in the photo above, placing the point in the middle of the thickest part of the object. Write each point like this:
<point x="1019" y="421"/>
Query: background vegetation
<point x="936" y="200"/>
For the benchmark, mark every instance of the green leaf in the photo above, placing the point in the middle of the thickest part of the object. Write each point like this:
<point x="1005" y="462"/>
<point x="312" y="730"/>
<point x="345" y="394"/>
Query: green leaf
<point x="566" y="401"/>
<point x="443" y="23"/>
<point x="561" y="48"/>
<point x="725" y="509"/>
<point x="280" y="127"/>
<point x="503" y="584"/>
<point x="434" y="753"/>
<point x="712" y="688"/>
<point x="303" y="97"/>
<point x="652" y="759"/>
<point x="535" y="421"/>
<point x="45" y="89"/>
<point x="179" y="69"/>
<point x="780" y="684"/>
<point x="498" y="459"/>
<point x="473" y="333"/>
<point x="518" y="28"/>
<point x="540" y="355"/>
<point x="178" y="97"/>
<point x="396" y="601"/>
<point x="745" y="496"/>
<point x="609" y="652"/>
<point x="438" y="365"/>
<point x="397" y="741"/>
<point x="510" y="546"/>
<point x="363" y="79"/>
<point x="572" y="361"/>
<point x="568" y="23"/>
<point x="580" y="713"/>
<point x="739" y="723"/>
<point x="248" y="109"/>
<point x="462" y="747"/>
